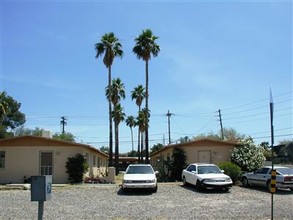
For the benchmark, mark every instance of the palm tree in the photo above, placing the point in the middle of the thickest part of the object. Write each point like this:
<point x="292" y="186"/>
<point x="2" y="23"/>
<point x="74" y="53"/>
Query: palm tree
<point x="118" y="116"/>
<point x="130" y="122"/>
<point x="117" y="93"/>
<point x="141" y="124"/>
<point x="138" y="94"/>
<point x="144" y="48"/>
<point x="111" y="48"/>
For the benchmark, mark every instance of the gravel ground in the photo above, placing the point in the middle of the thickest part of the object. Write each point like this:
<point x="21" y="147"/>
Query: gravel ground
<point x="172" y="201"/>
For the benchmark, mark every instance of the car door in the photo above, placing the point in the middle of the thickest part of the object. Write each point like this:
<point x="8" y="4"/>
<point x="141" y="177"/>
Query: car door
<point x="190" y="177"/>
<point x="260" y="177"/>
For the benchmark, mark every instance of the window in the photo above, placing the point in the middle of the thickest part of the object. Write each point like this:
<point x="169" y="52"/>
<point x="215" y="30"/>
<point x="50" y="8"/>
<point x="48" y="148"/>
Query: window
<point x="99" y="162"/>
<point x="191" y="168"/>
<point x="2" y="159"/>
<point x="46" y="165"/>
<point x="263" y="171"/>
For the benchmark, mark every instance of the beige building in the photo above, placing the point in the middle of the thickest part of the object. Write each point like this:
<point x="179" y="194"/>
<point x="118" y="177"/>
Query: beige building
<point x="198" y="151"/>
<point x="26" y="156"/>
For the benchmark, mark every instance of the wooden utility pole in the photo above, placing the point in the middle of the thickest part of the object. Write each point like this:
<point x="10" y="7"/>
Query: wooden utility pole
<point x="63" y="122"/>
<point x="220" y="117"/>
<point x="169" y="132"/>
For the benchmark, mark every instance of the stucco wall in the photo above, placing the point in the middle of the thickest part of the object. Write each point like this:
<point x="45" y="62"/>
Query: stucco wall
<point x="23" y="161"/>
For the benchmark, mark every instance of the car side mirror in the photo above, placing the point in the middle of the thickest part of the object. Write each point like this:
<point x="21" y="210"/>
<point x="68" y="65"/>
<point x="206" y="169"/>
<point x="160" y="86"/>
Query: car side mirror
<point x="194" y="172"/>
<point x="123" y="172"/>
<point x="156" y="172"/>
<point x="223" y="171"/>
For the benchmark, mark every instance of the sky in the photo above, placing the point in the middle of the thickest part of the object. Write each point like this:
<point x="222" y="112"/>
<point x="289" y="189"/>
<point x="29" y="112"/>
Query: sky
<point x="215" y="55"/>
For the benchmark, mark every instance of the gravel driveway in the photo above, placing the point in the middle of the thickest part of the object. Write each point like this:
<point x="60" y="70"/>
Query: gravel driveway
<point x="172" y="201"/>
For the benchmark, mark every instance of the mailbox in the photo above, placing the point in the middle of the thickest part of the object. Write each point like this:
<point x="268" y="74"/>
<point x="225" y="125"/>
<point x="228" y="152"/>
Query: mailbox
<point x="41" y="187"/>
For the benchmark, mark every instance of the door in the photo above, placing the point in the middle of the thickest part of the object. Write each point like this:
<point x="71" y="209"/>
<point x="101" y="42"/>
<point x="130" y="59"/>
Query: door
<point x="46" y="163"/>
<point x="204" y="156"/>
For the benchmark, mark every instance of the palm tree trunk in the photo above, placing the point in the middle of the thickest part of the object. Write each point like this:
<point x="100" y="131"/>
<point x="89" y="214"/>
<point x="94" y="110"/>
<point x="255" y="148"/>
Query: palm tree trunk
<point x="132" y="139"/>
<point x="116" y="148"/>
<point x="110" y="121"/>
<point x="138" y="147"/>
<point x="147" y="111"/>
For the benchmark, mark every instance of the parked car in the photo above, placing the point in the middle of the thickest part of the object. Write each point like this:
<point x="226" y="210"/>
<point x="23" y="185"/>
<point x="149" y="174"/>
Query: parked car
<point x="206" y="176"/>
<point x="140" y="176"/>
<point x="262" y="177"/>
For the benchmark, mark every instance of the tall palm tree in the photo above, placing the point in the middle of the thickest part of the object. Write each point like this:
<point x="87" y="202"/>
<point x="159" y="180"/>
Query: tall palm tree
<point x="141" y="124"/>
<point x="145" y="47"/>
<point x="117" y="93"/>
<point x="139" y="95"/>
<point x="118" y="116"/>
<point x="130" y="122"/>
<point x="111" y="48"/>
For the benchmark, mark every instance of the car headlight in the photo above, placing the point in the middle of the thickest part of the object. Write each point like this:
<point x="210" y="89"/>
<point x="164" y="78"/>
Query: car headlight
<point x="228" y="179"/>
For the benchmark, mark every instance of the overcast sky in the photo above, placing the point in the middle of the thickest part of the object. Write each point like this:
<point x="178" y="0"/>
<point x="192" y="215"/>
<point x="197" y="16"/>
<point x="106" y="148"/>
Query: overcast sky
<point x="214" y="55"/>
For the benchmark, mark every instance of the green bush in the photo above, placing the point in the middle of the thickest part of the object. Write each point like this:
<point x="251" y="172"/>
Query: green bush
<point x="231" y="169"/>
<point x="76" y="167"/>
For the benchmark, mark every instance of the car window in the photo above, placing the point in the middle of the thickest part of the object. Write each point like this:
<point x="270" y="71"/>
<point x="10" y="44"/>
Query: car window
<point x="284" y="171"/>
<point x="191" y="168"/>
<point x="208" y="169"/>
<point x="139" y="170"/>
<point x="262" y="170"/>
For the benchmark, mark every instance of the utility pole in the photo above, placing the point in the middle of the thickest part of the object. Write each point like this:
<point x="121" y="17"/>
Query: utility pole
<point x="169" y="114"/>
<point x="220" y="117"/>
<point x="63" y="122"/>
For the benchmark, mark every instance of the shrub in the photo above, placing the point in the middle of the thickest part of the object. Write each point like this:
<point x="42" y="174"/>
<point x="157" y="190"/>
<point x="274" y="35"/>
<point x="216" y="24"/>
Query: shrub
<point x="231" y="169"/>
<point x="248" y="156"/>
<point x="76" y="167"/>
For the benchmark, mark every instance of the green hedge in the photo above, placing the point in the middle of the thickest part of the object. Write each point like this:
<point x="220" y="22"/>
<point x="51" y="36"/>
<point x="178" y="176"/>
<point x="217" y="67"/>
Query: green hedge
<point x="232" y="170"/>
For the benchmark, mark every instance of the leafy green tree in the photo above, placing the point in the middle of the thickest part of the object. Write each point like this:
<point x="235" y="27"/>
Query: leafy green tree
<point x="21" y="131"/>
<point x="111" y="48"/>
<point x="130" y="122"/>
<point x="156" y="147"/>
<point x="230" y="134"/>
<point x="64" y="137"/>
<point x="145" y="47"/>
<point x="76" y="167"/>
<point x="248" y="156"/>
<point x="178" y="162"/>
<point x="104" y="149"/>
<point x="132" y="153"/>
<point x="10" y="116"/>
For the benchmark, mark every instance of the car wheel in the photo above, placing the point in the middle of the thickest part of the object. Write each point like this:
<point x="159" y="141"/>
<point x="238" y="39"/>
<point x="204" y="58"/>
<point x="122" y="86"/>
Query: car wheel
<point x="226" y="189"/>
<point x="245" y="182"/>
<point x="184" y="181"/>
<point x="198" y="186"/>
<point x="155" y="189"/>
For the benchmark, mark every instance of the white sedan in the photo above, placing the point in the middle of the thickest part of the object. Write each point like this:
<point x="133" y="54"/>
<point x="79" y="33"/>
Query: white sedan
<point x="140" y="176"/>
<point x="206" y="176"/>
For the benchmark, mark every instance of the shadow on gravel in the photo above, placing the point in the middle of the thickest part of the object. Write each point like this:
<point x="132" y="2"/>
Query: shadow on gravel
<point x="135" y="192"/>
<point x="261" y="189"/>
<point x="204" y="191"/>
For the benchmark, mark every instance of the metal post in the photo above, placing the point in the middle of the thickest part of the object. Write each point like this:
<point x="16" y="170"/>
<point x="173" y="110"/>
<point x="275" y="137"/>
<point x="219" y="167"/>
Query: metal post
<point x="40" y="210"/>
<point x="272" y="144"/>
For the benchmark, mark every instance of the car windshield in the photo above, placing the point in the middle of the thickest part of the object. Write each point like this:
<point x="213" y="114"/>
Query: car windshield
<point x="285" y="171"/>
<point x="139" y="170"/>
<point x="208" y="169"/>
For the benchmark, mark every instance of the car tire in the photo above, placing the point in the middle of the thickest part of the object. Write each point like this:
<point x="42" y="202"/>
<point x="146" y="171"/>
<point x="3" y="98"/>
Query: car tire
<point x="155" y="189"/>
<point x="245" y="182"/>
<point x="226" y="189"/>
<point x="184" y="181"/>
<point x="198" y="186"/>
